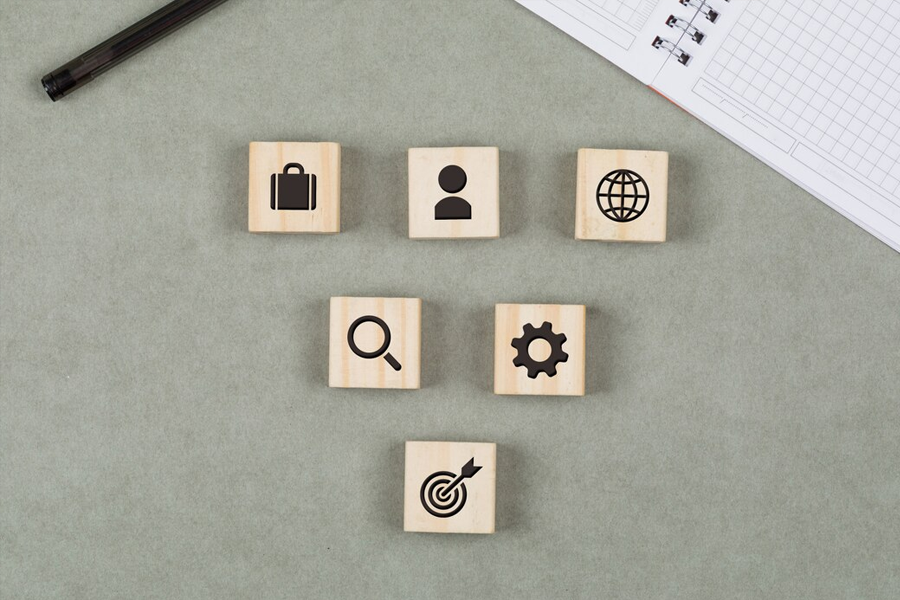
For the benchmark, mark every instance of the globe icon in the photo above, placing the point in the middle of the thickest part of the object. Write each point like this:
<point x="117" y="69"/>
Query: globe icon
<point x="623" y="195"/>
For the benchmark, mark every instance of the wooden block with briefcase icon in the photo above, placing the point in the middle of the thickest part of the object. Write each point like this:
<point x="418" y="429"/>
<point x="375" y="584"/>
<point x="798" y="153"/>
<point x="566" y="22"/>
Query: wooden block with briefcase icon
<point x="621" y="195"/>
<point x="295" y="187"/>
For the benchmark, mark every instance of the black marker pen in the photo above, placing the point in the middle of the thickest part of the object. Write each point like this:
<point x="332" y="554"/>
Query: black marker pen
<point x="116" y="49"/>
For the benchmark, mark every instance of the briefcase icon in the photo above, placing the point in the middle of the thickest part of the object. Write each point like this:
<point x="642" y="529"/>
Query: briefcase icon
<point x="293" y="191"/>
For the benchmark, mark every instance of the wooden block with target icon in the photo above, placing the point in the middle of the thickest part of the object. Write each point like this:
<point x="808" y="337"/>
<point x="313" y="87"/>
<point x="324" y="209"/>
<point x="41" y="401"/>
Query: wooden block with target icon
<point x="539" y="349"/>
<point x="621" y="195"/>
<point x="450" y="487"/>
<point x="374" y="343"/>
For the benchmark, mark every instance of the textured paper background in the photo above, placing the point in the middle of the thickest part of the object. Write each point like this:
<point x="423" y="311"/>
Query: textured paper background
<point x="167" y="430"/>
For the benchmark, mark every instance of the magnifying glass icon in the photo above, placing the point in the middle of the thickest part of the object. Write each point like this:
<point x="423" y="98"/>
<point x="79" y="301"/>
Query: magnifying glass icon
<point x="384" y="346"/>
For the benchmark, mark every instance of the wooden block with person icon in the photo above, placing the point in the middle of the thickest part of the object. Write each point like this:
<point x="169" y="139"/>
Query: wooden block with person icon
<point x="621" y="195"/>
<point x="454" y="192"/>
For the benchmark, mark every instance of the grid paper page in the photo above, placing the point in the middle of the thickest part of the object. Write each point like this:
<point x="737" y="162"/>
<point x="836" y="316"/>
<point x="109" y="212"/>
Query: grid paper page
<point x="828" y="71"/>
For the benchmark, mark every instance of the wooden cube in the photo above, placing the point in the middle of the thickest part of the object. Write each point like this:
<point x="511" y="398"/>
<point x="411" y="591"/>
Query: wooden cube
<point x="622" y="195"/>
<point x="454" y="193"/>
<point x="450" y="487"/>
<point x="375" y="343"/>
<point x="295" y="187"/>
<point x="539" y="349"/>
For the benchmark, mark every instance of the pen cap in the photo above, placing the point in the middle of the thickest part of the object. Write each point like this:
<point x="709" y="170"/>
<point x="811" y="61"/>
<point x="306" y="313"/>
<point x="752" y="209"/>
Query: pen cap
<point x="60" y="82"/>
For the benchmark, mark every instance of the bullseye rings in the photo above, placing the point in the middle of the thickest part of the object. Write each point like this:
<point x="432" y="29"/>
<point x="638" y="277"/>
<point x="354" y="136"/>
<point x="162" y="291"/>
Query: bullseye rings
<point x="435" y="499"/>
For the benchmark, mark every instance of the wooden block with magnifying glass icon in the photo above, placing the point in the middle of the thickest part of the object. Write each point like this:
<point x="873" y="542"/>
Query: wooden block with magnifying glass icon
<point x="539" y="349"/>
<point x="374" y="343"/>
<point x="450" y="487"/>
<point x="621" y="195"/>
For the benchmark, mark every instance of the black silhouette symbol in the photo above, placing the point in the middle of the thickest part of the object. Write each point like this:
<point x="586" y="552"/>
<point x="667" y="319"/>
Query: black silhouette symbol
<point x="535" y="367"/>
<point x="452" y="179"/>
<point x="443" y="494"/>
<point x="293" y="191"/>
<point x="384" y="345"/>
<point x="623" y="195"/>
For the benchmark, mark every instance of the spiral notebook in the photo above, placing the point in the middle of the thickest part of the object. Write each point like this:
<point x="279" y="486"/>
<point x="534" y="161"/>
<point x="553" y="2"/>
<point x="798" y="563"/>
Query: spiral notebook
<point x="810" y="87"/>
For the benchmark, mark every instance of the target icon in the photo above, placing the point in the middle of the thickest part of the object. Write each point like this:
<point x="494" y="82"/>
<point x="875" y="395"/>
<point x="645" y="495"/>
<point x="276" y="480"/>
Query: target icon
<point x="443" y="493"/>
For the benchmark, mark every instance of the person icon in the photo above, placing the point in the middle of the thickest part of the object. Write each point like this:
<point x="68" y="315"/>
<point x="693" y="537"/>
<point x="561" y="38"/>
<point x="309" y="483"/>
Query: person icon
<point x="452" y="180"/>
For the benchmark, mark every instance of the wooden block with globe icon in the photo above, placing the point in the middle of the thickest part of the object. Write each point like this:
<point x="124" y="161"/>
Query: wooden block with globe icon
<point x="621" y="195"/>
<point x="539" y="349"/>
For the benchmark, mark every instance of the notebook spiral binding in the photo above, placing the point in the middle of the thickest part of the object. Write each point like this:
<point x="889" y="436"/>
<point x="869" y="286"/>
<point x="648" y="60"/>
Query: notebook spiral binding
<point x="693" y="32"/>
<point x="682" y="56"/>
<point x="686" y="27"/>
<point x="711" y="15"/>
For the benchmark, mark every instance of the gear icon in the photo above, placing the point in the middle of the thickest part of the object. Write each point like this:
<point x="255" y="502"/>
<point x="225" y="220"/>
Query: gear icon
<point x="544" y="332"/>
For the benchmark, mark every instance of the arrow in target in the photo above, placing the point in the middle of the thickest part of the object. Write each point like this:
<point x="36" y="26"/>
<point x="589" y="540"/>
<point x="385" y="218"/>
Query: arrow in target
<point x="469" y="469"/>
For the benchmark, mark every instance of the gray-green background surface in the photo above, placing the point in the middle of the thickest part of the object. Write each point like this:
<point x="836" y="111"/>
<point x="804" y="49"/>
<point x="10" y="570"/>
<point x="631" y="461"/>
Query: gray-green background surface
<point x="167" y="426"/>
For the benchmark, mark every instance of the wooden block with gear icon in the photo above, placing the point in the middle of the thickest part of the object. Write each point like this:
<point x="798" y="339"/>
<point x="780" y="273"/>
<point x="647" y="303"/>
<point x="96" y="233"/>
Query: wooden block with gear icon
<point x="621" y="195"/>
<point x="454" y="193"/>
<point x="450" y="487"/>
<point x="539" y="349"/>
<point x="374" y="343"/>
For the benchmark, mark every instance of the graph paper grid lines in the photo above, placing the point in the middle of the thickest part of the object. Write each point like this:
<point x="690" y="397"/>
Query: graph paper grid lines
<point x="829" y="71"/>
